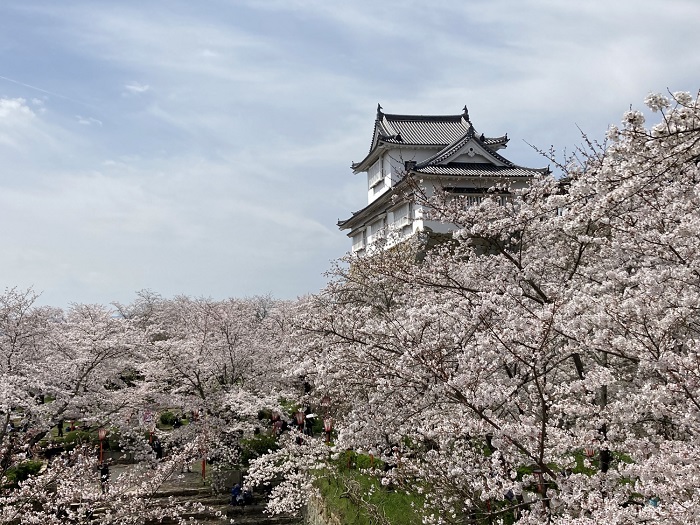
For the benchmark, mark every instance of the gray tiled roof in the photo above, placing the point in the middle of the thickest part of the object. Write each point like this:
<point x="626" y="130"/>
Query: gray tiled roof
<point x="406" y="129"/>
<point x="466" y="169"/>
<point x="435" y="132"/>
<point x="421" y="130"/>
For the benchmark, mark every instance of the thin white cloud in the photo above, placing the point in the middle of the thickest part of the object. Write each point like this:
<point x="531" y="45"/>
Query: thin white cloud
<point x="15" y="108"/>
<point x="136" y="87"/>
<point x="17" y="122"/>
<point x="88" y="121"/>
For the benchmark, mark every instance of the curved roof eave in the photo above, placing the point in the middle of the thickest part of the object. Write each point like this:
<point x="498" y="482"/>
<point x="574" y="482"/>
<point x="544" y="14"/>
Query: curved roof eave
<point x="467" y="170"/>
<point x="382" y="204"/>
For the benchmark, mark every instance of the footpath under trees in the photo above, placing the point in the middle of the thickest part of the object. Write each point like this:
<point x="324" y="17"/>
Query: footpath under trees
<point x="209" y="366"/>
<point x="543" y="365"/>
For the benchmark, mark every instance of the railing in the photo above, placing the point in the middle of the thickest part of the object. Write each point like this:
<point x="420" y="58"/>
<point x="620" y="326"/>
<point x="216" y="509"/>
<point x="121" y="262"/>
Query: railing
<point x="473" y="200"/>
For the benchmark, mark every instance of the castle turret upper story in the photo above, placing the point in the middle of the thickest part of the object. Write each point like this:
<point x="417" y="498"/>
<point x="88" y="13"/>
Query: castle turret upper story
<point x="444" y="151"/>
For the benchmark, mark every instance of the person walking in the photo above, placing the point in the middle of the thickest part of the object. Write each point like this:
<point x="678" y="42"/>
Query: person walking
<point x="104" y="477"/>
<point x="157" y="448"/>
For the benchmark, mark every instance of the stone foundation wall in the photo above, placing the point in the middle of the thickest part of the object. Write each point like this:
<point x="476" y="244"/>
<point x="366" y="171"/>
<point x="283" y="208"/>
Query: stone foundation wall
<point x="317" y="514"/>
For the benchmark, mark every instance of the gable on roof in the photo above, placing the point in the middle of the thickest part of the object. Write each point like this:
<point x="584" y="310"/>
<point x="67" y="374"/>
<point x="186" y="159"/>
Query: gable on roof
<point x="437" y="132"/>
<point x="468" y="148"/>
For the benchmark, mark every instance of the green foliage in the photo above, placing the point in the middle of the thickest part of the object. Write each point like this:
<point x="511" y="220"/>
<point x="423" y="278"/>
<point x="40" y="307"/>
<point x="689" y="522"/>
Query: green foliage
<point x="317" y="427"/>
<point x="167" y="418"/>
<point x="358" y="499"/>
<point x="265" y="413"/>
<point x="351" y="460"/>
<point x="581" y="467"/>
<point x="130" y="376"/>
<point x="290" y="407"/>
<point x="76" y="437"/>
<point x="256" y="446"/>
<point x="22" y="471"/>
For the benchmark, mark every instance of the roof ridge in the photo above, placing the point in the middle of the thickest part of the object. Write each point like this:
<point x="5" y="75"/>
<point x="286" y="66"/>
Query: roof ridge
<point x="444" y="118"/>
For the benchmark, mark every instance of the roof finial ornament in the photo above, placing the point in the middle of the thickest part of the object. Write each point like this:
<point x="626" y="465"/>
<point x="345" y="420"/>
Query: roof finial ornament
<point x="465" y="113"/>
<point x="379" y="109"/>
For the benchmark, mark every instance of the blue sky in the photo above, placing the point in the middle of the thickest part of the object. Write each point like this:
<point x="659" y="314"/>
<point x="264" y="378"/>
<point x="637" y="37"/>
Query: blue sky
<point x="203" y="148"/>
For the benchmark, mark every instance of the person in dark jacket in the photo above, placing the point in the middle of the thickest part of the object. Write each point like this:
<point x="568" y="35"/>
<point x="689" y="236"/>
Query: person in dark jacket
<point x="157" y="448"/>
<point x="104" y="477"/>
<point x="237" y="495"/>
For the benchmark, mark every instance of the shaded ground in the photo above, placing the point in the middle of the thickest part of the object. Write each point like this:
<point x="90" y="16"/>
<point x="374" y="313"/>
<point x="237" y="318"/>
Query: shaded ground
<point x="189" y="487"/>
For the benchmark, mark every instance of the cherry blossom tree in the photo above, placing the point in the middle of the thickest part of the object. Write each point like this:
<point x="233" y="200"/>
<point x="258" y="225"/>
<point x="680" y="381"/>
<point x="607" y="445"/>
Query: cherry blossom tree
<point x="58" y="366"/>
<point x="290" y="472"/>
<point x="542" y="364"/>
<point x="219" y="362"/>
<point x="21" y="332"/>
<point x="118" y="369"/>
